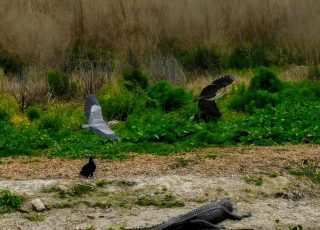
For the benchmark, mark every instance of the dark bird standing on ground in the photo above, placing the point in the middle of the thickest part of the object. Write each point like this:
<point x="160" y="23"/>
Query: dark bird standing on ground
<point x="93" y="112"/>
<point x="88" y="169"/>
<point x="207" y="97"/>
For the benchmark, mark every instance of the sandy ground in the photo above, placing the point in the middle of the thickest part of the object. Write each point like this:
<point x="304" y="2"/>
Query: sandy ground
<point x="196" y="178"/>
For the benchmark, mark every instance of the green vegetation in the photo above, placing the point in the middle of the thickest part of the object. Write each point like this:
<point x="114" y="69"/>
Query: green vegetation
<point x="161" y="120"/>
<point x="258" y="181"/>
<point x="9" y="202"/>
<point x="310" y="171"/>
<point x="161" y="199"/>
<point x="36" y="217"/>
<point x="10" y="63"/>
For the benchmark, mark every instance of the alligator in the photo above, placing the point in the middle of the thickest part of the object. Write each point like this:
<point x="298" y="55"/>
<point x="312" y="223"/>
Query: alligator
<point x="205" y="217"/>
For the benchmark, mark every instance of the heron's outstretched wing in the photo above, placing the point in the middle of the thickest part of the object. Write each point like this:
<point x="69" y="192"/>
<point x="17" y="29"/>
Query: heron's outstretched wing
<point x="96" y="123"/>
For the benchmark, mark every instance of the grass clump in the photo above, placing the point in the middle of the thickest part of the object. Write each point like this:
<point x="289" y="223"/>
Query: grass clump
<point x="33" y="113"/>
<point x="311" y="172"/>
<point x="51" y="122"/>
<point x="257" y="181"/>
<point x="9" y="202"/>
<point x="160" y="200"/>
<point x="59" y="83"/>
<point x="35" y="217"/>
<point x="81" y="189"/>
<point x="102" y="183"/>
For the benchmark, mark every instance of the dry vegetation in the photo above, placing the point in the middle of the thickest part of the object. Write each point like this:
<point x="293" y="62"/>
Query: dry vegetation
<point x="40" y="32"/>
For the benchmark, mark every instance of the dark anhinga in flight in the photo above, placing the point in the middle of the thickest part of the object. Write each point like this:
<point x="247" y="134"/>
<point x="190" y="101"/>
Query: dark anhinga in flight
<point x="88" y="169"/>
<point x="93" y="112"/>
<point x="207" y="97"/>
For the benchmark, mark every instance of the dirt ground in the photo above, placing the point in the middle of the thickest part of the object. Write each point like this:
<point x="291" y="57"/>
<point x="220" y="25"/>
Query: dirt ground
<point x="257" y="179"/>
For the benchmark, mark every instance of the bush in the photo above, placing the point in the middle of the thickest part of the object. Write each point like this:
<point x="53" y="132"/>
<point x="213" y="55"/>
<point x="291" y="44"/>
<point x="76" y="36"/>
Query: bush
<point x="9" y="202"/>
<point x="265" y="79"/>
<point x="85" y="55"/>
<point x="51" y="122"/>
<point x="169" y="97"/>
<point x="3" y="115"/>
<point x="263" y="90"/>
<point x="9" y="104"/>
<point x="248" y="55"/>
<point x="135" y="79"/>
<point x="314" y="73"/>
<point x="59" y="83"/>
<point x="201" y="59"/>
<point x="10" y="63"/>
<point x="118" y="102"/>
<point x="33" y="113"/>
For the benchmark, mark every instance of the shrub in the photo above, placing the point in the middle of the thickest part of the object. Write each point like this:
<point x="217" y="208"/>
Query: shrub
<point x="314" y="73"/>
<point x="3" y="115"/>
<point x="263" y="90"/>
<point x="169" y="97"/>
<point x="118" y="102"/>
<point x="86" y="55"/>
<point x="201" y="59"/>
<point x="9" y="104"/>
<point x="59" y="83"/>
<point x="265" y="79"/>
<point x="10" y="63"/>
<point x="248" y="55"/>
<point x="33" y="113"/>
<point x="135" y="79"/>
<point x="9" y="202"/>
<point x="51" y="122"/>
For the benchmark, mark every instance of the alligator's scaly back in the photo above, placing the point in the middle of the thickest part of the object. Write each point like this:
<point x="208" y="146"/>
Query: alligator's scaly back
<point x="182" y="219"/>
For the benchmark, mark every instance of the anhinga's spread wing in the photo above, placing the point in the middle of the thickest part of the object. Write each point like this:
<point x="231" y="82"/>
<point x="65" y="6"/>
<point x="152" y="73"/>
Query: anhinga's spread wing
<point x="93" y="112"/>
<point x="210" y="92"/>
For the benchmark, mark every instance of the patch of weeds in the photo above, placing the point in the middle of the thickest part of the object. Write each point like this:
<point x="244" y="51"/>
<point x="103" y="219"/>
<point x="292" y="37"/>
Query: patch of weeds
<point x="161" y="199"/>
<point x="124" y="183"/>
<point x="81" y="189"/>
<point x="31" y="160"/>
<point x="298" y="227"/>
<point x="211" y="156"/>
<point x="182" y="162"/>
<point x="311" y="171"/>
<point x="10" y="202"/>
<point x="273" y="175"/>
<point x="33" y="216"/>
<point x="102" y="183"/>
<point x="257" y="181"/>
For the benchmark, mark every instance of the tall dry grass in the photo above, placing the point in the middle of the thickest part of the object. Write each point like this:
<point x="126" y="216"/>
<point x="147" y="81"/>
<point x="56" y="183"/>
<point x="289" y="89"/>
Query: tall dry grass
<point x="40" y="31"/>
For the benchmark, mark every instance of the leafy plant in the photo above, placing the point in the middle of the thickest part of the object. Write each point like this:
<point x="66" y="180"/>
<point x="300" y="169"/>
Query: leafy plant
<point x="135" y="79"/>
<point x="9" y="202"/>
<point x="167" y="96"/>
<point x="59" y="83"/>
<point x="33" y="113"/>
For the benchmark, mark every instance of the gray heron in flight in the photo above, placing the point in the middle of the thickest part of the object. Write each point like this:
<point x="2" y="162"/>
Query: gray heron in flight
<point x="206" y="100"/>
<point x="93" y="112"/>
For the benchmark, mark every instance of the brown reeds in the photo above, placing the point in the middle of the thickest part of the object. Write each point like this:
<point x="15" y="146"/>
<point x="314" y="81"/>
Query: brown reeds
<point x="40" y="31"/>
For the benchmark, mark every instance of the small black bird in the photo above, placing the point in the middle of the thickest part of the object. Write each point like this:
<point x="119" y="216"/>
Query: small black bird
<point x="88" y="169"/>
